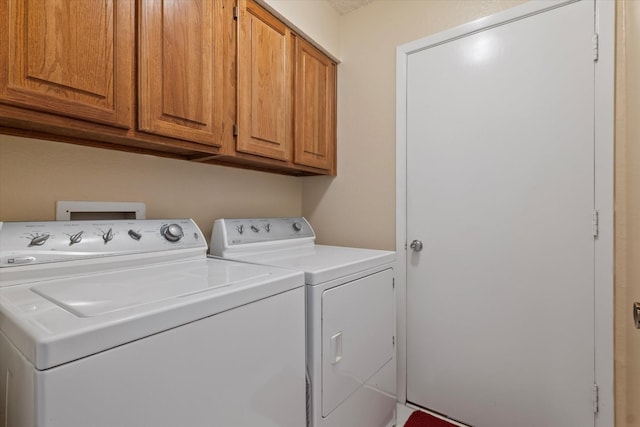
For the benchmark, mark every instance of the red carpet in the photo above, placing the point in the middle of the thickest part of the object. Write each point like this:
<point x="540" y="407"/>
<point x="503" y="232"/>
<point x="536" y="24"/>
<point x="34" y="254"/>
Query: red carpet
<point x="422" y="419"/>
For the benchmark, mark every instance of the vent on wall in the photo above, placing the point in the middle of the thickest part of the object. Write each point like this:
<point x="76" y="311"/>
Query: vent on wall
<point x="79" y="211"/>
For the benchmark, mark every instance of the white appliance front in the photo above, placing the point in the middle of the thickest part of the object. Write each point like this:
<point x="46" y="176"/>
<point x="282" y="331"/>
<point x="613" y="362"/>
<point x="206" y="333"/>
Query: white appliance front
<point x="154" y="342"/>
<point x="227" y="369"/>
<point x="350" y="296"/>
<point x="355" y="343"/>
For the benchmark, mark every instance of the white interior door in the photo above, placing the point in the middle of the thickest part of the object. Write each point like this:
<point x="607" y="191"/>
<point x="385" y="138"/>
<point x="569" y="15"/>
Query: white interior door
<point x="500" y="191"/>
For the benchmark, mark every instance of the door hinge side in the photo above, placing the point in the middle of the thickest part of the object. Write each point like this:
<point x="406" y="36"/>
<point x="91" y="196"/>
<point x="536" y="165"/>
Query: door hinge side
<point x="595" y="399"/>
<point x="595" y="223"/>
<point x="595" y="45"/>
<point x="235" y="12"/>
<point x="235" y="129"/>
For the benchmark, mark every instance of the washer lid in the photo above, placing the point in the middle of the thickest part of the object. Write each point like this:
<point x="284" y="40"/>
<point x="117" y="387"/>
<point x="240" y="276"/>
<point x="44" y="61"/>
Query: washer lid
<point x="322" y="263"/>
<point x="98" y="295"/>
<point x="57" y="321"/>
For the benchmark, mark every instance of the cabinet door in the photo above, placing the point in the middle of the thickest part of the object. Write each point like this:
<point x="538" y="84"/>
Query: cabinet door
<point x="265" y="83"/>
<point x="180" y="69"/>
<point x="72" y="58"/>
<point x="315" y="108"/>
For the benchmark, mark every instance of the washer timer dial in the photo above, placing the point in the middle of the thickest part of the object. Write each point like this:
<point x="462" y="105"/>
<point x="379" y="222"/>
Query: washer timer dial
<point x="172" y="232"/>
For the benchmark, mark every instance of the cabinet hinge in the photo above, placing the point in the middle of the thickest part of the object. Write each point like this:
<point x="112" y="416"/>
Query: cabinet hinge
<point x="393" y="341"/>
<point x="393" y="283"/>
<point x="595" y="45"/>
<point x="595" y="223"/>
<point x="595" y="399"/>
<point x="235" y="129"/>
<point x="235" y="12"/>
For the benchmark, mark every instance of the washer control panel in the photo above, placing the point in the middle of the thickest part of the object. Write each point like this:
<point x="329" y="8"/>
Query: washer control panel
<point x="23" y="243"/>
<point x="241" y="231"/>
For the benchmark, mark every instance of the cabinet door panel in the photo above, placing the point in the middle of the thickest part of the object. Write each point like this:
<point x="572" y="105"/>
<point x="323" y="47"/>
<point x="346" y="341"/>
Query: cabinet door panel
<point x="315" y="131"/>
<point x="73" y="58"/>
<point x="180" y="57"/>
<point x="265" y="84"/>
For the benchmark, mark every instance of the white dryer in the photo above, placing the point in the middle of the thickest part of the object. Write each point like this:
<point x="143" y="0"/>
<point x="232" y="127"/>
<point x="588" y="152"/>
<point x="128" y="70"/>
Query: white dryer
<point x="350" y="297"/>
<point x="127" y="323"/>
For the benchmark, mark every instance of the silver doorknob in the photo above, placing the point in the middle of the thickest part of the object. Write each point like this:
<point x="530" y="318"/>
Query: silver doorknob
<point x="416" y="245"/>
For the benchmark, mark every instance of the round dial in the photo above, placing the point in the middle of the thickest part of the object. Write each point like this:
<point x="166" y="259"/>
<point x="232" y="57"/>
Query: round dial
<point x="172" y="232"/>
<point x="297" y="226"/>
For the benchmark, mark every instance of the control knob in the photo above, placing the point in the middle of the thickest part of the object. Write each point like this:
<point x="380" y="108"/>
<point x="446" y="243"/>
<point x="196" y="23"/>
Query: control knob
<point x="297" y="226"/>
<point x="135" y="235"/>
<point x="172" y="232"/>
<point x="75" y="238"/>
<point x="108" y="236"/>
<point x="39" y="240"/>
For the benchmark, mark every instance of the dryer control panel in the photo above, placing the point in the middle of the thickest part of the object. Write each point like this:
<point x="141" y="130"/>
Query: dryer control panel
<point x="247" y="234"/>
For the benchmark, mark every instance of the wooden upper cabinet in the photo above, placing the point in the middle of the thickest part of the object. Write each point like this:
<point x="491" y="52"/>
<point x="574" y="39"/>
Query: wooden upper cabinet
<point x="180" y="80"/>
<point x="68" y="70"/>
<point x="265" y="83"/>
<point x="315" y="108"/>
<point x="71" y="58"/>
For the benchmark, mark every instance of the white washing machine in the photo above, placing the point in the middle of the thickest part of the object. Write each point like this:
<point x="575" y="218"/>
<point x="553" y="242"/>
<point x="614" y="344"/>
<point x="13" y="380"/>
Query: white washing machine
<point x="127" y="323"/>
<point x="350" y="315"/>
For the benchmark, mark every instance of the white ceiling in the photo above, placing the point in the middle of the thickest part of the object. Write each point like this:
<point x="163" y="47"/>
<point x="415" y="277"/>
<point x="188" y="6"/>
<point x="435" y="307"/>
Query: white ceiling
<point x="346" y="6"/>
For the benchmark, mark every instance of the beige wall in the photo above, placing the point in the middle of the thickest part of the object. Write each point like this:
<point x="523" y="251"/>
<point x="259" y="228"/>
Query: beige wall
<point x="357" y="208"/>
<point x="34" y="174"/>
<point x="627" y="352"/>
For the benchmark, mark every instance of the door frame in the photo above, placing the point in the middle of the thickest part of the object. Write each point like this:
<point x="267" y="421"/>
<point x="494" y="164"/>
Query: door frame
<point x="604" y="15"/>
